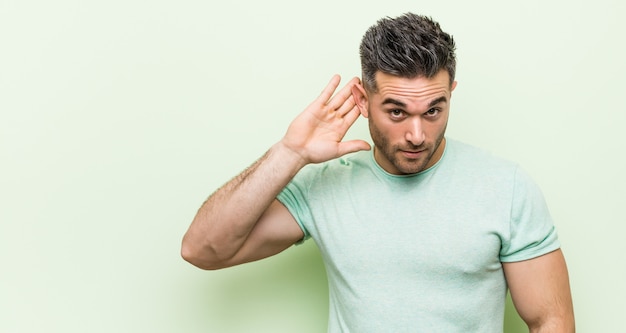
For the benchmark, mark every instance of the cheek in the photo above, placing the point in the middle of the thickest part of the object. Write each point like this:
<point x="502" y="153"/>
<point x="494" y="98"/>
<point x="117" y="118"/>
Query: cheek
<point x="386" y="129"/>
<point x="436" y="128"/>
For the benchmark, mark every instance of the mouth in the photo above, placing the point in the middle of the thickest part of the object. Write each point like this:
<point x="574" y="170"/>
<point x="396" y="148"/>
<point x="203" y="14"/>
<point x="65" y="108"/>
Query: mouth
<point x="413" y="154"/>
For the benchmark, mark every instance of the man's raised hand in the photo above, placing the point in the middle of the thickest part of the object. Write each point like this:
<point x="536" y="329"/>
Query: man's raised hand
<point x="316" y="134"/>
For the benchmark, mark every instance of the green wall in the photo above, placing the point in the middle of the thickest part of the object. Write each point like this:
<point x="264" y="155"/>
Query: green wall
<point x="118" y="118"/>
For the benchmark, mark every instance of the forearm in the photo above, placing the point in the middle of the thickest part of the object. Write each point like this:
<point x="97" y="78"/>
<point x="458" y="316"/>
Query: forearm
<point x="227" y="217"/>
<point x="230" y="227"/>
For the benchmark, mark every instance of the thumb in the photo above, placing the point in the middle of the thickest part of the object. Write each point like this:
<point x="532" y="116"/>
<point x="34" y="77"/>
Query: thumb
<point x="352" y="146"/>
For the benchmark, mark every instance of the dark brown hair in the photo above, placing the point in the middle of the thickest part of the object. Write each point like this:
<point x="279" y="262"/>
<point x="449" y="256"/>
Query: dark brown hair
<point x="407" y="46"/>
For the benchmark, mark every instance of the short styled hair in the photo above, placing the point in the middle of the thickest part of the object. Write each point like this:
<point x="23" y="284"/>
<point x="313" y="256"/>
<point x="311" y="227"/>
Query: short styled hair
<point x="406" y="46"/>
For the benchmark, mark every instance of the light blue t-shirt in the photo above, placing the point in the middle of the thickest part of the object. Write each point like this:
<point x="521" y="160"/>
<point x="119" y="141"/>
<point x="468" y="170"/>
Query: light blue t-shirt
<point x="420" y="253"/>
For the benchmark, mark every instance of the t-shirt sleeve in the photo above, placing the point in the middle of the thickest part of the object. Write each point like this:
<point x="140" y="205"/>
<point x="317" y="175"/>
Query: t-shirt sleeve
<point x="531" y="231"/>
<point x="294" y="198"/>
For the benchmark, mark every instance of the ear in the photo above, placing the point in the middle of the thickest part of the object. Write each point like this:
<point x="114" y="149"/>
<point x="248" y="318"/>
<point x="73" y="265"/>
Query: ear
<point x="452" y="86"/>
<point x="360" y="99"/>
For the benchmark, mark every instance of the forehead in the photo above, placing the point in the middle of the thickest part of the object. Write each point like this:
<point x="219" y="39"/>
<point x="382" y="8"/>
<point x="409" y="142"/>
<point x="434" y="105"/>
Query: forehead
<point x="414" y="89"/>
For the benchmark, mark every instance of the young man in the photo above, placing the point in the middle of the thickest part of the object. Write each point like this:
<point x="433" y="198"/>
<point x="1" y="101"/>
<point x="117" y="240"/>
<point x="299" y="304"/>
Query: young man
<point x="422" y="234"/>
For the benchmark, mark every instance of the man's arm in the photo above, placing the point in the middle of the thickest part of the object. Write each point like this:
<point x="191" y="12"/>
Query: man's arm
<point x="242" y="221"/>
<point x="541" y="293"/>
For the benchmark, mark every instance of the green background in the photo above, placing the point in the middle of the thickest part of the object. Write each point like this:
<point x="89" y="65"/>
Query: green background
<point x="118" y="118"/>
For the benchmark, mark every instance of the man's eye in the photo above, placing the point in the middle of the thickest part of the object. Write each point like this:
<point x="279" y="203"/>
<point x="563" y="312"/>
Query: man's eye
<point x="432" y="112"/>
<point x="396" y="113"/>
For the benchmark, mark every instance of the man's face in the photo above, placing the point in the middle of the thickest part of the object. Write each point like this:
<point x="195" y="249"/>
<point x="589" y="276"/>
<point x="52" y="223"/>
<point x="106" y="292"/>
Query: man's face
<point x="407" y="120"/>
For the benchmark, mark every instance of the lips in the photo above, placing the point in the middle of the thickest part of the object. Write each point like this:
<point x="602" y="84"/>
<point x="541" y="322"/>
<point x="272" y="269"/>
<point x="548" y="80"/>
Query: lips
<point x="413" y="154"/>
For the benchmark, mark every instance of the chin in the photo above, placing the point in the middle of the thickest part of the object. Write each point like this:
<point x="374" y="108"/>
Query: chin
<point x="410" y="168"/>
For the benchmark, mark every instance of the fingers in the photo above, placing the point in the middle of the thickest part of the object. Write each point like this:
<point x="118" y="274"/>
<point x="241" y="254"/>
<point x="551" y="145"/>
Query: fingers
<point x="352" y="146"/>
<point x="336" y="102"/>
<point x="329" y="90"/>
<point x="343" y="95"/>
<point x="349" y="119"/>
<point x="346" y="107"/>
<point x="352" y="115"/>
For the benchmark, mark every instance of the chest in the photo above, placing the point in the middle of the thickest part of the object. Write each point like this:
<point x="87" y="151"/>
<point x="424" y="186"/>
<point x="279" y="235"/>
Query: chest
<point x="416" y="232"/>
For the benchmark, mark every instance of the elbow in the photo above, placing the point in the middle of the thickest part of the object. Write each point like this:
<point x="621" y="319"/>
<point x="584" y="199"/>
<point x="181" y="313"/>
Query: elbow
<point x="561" y="324"/>
<point x="191" y="256"/>
<point x="205" y="258"/>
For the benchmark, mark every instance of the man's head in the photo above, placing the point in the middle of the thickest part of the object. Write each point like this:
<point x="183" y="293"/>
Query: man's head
<point x="408" y="78"/>
<point x="407" y="46"/>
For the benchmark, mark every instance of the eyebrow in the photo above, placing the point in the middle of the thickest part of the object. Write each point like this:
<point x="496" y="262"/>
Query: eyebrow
<point x="394" y="102"/>
<point x="402" y="104"/>
<point x="437" y="101"/>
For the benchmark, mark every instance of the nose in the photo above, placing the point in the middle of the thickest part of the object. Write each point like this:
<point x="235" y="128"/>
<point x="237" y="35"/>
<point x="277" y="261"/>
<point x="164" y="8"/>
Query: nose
<point x="415" y="132"/>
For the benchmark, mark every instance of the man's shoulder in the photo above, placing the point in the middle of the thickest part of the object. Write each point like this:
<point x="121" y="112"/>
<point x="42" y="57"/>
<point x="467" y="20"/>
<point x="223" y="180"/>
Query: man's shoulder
<point x="466" y="155"/>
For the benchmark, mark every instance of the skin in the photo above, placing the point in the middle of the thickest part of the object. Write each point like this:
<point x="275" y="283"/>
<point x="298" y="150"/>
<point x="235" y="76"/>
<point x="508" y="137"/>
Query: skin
<point x="407" y="120"/>
<point x="541" y="293"/>
<point x="242" y="221"/>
